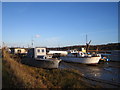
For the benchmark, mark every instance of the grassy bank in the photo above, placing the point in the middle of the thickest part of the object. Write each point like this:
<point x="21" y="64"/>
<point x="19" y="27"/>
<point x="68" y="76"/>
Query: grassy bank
<point x="17" y="75"/>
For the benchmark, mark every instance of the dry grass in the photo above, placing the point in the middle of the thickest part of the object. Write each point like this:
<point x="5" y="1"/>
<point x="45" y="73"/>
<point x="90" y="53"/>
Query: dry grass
<point x="23" y="76"/>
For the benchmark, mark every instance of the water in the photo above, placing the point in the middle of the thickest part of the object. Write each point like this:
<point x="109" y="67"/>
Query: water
<point x="107" y="72"/>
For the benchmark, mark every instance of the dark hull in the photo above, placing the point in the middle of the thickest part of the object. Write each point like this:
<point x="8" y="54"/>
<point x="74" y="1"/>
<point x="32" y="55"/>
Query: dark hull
<point x="42" y="63"/>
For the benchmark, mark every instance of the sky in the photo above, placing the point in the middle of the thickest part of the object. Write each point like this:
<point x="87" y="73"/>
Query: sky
<point x="0" y="24"/>
<point x="57" y="24"/>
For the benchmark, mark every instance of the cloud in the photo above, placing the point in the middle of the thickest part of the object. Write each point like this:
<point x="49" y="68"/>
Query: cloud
<point x="37" y="36"/>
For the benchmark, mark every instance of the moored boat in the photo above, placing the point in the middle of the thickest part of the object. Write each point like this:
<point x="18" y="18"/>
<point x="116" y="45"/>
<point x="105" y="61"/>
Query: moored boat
<point x="49" y="63"/>
<point x="82" y="58"/>
<point x="43" y="63"/>
<point x="40" y="58"/>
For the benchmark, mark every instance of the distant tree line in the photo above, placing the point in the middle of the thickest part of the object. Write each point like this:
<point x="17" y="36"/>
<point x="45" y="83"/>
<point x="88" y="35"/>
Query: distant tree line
<point x="109" y="46"/>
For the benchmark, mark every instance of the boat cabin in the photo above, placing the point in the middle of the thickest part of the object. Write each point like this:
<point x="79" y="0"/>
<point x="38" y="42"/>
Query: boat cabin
<point x="77" y="54"/>
<point x="37" y="52"/>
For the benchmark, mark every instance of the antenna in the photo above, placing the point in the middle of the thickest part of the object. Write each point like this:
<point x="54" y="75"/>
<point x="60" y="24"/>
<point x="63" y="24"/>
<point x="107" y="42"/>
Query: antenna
<point x="3" y="44"/>
<point x="86" y="38"/>
<point x="32" y="43"/>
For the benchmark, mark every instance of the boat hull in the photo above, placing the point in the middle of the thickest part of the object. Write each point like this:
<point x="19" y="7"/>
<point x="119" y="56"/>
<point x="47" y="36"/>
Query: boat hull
<point x="84" y="60"/>
<point x="44" y="63"/>
<point x="49" y="63"/>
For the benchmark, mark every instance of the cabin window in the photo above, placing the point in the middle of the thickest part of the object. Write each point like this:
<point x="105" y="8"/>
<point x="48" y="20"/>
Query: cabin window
<point x="19" y="51"/>
<point x="42" y="50"/>
<point x="42" y="57"/>
<point x="38" y="50"/>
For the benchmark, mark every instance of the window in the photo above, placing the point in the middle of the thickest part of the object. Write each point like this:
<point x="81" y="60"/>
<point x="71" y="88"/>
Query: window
<point x="19" y="51"/>
<point x="38" y="50"/>
<point x="42" y="50"/>
<point x="41" y="57"/>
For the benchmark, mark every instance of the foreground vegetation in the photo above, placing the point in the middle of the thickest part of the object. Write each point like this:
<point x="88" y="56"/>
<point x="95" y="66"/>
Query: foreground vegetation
<point x="17" y="75"/>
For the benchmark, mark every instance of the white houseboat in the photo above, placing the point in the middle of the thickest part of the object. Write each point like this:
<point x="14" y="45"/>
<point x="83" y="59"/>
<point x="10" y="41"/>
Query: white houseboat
<point x="45" y="60"/>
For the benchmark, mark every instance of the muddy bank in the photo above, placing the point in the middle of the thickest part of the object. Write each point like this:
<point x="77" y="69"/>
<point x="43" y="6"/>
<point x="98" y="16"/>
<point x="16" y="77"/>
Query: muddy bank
<point x="106" y="74"/>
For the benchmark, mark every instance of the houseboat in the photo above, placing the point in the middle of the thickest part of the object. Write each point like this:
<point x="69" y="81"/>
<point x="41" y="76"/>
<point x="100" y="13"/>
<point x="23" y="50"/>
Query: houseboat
<point x="45" y="60"/>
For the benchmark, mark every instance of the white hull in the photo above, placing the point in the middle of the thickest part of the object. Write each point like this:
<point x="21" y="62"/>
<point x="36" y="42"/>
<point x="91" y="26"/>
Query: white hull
<point x="84" y="60"/>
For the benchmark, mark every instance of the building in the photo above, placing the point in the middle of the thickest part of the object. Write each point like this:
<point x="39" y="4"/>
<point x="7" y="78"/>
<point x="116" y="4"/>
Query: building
<point x="18" y="50"/>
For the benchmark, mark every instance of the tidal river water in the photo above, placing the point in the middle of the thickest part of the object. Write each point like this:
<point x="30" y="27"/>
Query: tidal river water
<point x="107" y="73"/>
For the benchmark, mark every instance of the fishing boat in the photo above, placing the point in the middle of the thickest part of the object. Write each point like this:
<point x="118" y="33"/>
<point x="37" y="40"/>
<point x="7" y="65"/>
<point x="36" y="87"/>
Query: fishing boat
<point x="82" y="57"/>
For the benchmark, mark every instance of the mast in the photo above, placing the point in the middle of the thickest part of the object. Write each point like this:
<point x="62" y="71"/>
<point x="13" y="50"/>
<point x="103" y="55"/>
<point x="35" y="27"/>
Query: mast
<point x="87" y="44"/>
